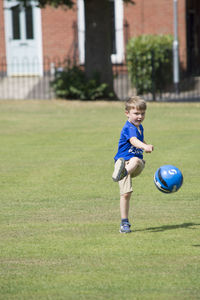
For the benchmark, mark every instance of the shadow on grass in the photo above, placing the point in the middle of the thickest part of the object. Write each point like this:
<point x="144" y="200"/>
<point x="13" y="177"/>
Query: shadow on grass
<point x="169" y="227"/>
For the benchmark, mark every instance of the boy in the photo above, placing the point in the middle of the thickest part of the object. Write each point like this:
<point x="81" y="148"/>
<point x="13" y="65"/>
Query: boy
<point x="129" y="161"/>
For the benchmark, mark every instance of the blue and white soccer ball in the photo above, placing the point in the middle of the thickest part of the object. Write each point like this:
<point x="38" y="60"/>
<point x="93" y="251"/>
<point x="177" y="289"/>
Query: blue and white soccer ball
<point x="168" y="179"/>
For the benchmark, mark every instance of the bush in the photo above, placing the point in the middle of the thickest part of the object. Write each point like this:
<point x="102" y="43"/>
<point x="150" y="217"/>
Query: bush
<point x="150" y="61"/>
<point x="71" y="83"/>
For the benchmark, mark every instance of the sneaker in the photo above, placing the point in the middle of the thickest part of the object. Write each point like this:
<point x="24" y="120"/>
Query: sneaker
<point x="119" y="170"/>
<point x="125" y="228"/>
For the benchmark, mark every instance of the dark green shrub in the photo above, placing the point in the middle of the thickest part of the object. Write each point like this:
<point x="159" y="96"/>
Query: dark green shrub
<point x="71" y="83"/>
<point x="150" y="62"/>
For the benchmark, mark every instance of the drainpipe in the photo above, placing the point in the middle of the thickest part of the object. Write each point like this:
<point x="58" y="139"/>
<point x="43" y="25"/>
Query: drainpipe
<point x="175" y="49"/>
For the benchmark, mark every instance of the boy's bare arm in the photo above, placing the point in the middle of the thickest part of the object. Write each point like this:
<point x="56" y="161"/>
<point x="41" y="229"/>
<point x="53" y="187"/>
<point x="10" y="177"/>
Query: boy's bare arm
<point x="138" y="144"/>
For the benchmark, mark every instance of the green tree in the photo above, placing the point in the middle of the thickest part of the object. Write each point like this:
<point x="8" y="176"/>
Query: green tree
<point x="97" y="36"/>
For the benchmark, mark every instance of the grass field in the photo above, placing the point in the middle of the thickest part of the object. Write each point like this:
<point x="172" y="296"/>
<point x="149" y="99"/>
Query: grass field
<point x="60" y="209"/>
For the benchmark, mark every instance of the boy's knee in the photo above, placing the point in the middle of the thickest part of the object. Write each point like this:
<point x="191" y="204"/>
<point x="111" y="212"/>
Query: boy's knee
<point x="140" y="162"/>
<point x="139" y="167"/>
<point x="126" y="196"/>
<point x="137" y="161"/>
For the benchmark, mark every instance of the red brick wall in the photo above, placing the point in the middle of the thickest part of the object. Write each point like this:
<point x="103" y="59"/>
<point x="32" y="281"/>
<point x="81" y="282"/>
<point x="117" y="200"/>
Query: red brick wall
<point x="156" y="17"/>
<point x="57" y="32"/>
<point x="145" y="17"/>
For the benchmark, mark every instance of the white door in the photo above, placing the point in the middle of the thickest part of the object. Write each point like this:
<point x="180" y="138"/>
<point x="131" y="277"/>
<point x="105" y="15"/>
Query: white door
<point x="23" y="38"/>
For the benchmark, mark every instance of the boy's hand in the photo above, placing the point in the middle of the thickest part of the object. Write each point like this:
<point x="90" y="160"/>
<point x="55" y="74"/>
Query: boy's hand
<point x="148" y="148"/>
<point x="141" y="145"/>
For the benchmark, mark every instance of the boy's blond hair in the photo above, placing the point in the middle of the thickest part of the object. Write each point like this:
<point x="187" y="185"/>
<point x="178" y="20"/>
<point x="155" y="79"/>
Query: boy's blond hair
<point x="135" y="102"/>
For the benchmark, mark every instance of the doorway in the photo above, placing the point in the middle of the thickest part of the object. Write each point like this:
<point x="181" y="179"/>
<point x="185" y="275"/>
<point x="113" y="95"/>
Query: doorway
<point x="193" y="37"/>
<point x="23" y="39"/>
<point x="117" y="12"/>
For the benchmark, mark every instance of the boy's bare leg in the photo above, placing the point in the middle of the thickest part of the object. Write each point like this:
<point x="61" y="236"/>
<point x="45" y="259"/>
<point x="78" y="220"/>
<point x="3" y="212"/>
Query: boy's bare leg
<point x="124" y="205"/>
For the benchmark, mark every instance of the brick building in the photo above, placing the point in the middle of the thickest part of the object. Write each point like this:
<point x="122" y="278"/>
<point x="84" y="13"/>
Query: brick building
<point x="34" y="35"/>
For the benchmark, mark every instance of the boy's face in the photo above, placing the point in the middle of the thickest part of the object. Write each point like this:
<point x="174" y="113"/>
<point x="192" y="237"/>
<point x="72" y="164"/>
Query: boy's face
<point x="135" y="116"/>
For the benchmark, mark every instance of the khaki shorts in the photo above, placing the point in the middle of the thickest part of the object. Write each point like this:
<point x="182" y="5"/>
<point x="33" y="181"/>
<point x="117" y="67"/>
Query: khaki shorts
<point x="125" y="185"/>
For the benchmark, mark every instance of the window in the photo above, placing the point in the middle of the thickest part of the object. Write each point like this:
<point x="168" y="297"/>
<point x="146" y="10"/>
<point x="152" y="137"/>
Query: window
<point x="117" y="31"/>
<point x="112" y="25"/>
<point x="16" y="22"/>
<point x="29" y="22"/>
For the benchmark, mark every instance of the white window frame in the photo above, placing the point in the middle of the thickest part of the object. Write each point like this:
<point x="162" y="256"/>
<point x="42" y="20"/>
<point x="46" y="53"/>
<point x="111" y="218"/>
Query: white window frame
<point x="119" y="15"/>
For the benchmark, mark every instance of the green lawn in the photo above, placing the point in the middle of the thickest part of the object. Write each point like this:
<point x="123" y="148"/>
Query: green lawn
<point x="60" y="209"/>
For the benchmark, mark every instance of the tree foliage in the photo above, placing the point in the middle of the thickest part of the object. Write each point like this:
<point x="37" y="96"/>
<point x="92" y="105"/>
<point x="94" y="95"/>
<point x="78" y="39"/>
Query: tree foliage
<point x="57" y="3"/>
<point x="54" y="3"/>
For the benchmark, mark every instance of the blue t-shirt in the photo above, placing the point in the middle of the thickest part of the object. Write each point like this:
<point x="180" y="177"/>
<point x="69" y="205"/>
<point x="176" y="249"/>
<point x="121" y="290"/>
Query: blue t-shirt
<point x="125" y="149"/>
